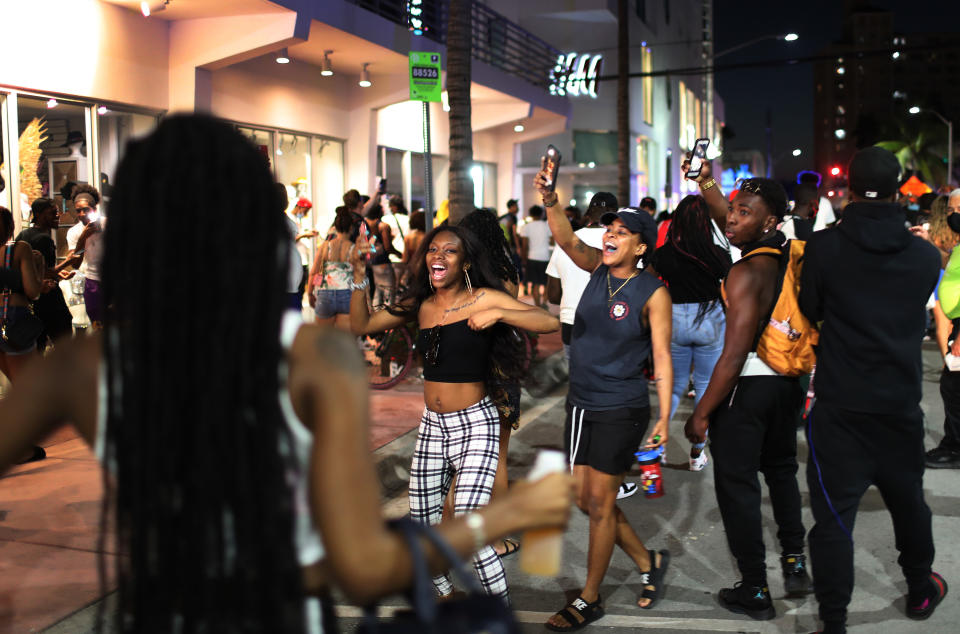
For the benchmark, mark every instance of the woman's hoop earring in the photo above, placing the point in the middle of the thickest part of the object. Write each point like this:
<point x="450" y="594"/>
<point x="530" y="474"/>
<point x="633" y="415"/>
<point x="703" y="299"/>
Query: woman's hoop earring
<point x="466" y="276"/>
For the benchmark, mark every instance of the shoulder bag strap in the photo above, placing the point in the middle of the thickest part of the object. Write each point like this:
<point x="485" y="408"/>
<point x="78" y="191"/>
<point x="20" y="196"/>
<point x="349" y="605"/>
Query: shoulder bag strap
<point x="8" y="256"/>
<point x="397" y="222"/>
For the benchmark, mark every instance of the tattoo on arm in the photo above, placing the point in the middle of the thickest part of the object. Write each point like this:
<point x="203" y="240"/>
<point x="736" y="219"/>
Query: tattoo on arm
<point x="580" y="246"/>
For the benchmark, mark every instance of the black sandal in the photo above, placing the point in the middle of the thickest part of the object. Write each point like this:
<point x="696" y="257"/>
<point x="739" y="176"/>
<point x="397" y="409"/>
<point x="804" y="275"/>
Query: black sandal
<point x="578" y="615"/>
<point x="654" y="577"/>
<point x="510" y="546"/>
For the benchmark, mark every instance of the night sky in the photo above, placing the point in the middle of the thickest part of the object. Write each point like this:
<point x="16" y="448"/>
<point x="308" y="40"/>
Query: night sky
<point x="788" y="90"/>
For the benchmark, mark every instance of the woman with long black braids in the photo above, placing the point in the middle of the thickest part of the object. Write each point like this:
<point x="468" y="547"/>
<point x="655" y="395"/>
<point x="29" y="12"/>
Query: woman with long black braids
<point x="505" y="393"/>
<point x="692" y="265"/>
<point x="213" y="426"/>
<point x="467" y="342"/>
<point x="623" y="316"/>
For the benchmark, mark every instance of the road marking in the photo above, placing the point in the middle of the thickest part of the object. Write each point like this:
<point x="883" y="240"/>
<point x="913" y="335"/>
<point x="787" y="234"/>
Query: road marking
<point x="538" y="410"/>
<point x="610" y="620"/>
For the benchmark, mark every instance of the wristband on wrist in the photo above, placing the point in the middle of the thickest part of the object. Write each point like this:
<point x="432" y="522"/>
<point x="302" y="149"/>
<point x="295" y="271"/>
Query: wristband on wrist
<point x="476" y="523"/>
<point x="361" y="286"/>
<point x="556" y="199"/>
<point x="707" y="184"/>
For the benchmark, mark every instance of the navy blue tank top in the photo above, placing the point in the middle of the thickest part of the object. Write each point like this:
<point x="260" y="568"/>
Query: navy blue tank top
<point x="610" y="345"/>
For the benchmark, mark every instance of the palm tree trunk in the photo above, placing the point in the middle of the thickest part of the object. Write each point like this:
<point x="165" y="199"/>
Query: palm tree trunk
<point x="623" y="103"/>
<point x="459" y="31"/>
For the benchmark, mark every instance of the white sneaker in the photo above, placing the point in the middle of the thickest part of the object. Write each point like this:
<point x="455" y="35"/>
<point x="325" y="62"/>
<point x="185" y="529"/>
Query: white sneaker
<point x="626" y="490"/>
<point x="698" y="463"/>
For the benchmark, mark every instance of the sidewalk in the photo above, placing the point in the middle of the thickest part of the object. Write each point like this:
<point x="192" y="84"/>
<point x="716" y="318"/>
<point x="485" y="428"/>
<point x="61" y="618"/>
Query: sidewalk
<point x="50" y="517"/>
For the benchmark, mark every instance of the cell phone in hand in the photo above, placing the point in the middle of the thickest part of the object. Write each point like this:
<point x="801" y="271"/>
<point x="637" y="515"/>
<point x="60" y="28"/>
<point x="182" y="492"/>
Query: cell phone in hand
<point x="552" y="166"/>
<point x="382" y="186"/>
<point x="696" y="161"/>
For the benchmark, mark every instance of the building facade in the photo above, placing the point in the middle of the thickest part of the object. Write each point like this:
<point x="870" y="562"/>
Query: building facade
<point x="321" y="128"/>
<point x="667" y="112"/>
<point x="869" y="80"/>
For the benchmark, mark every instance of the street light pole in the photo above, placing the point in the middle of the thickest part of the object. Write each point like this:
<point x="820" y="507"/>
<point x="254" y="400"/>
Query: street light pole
<point x="916" y="110"/>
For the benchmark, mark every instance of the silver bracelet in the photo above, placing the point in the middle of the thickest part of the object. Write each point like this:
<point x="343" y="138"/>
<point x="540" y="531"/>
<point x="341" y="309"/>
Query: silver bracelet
<point x="475" y="523"/>
<point x="361" y="286"/>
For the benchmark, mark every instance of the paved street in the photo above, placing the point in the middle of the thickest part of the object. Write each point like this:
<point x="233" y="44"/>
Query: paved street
<point x="49" y="513"/>
<point x="686" y="521"/>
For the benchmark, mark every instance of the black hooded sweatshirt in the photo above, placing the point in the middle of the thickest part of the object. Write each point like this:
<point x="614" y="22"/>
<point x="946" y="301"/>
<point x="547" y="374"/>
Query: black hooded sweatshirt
<point x="868" y="280"/>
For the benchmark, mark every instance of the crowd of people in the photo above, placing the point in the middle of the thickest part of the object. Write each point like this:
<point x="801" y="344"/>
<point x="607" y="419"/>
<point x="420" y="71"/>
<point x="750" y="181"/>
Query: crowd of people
<point x="647" y="303"/>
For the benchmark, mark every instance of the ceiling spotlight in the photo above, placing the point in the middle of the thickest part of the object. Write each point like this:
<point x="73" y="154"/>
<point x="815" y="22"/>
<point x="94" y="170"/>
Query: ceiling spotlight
<point x="797" y="152"/>
<point x="102" y="110"/>
<point x="51" y="103"/>
<point x="151" y="7"/>
<point x="364" y="77"/>
<point x="326" y="69"/>
<point x="283" y="57"/>
<point x="913" y="110"/>
<point x="791" y="37"/>
<point x="518" y="127"/>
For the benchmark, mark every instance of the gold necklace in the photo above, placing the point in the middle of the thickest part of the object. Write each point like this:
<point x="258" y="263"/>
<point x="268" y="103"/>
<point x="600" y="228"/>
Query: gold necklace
<point x="610" y="292"/>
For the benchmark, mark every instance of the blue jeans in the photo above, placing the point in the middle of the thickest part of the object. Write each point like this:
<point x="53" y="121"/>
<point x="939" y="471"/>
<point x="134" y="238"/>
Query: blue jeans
<point x="698" y="345"/>
<point x="332" y="302"/>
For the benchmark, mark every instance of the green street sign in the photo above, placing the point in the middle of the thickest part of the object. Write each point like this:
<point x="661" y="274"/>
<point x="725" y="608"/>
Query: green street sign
<point x="424" y="76"/>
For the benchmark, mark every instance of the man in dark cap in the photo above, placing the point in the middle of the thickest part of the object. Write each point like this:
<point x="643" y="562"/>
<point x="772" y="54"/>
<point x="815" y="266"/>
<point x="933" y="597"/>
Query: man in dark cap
<point x="867" y="281"/>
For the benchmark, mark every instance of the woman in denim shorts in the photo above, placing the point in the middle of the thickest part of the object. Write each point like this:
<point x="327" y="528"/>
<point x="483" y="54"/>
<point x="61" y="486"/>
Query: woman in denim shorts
<point x="20" y="283"/>
<point x="330" y="276"/>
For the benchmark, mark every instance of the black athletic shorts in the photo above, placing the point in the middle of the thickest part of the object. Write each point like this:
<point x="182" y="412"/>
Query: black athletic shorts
<point x="604" y="440"/>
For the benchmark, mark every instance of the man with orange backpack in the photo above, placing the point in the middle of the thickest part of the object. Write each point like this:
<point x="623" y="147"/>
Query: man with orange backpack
<point x="867" y="282"/>
<point x="749" y="407"/>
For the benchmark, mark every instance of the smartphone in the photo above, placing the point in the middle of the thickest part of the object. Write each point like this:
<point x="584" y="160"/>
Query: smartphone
<point x="93" y="216"/>
<point x="553" y="166"/>
<point x="699" y="154"/>
<point x="382" y="186"/>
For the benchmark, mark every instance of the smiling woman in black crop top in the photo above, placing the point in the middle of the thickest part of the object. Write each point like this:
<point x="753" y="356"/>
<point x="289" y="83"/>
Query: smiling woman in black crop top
<point x="466" y="342"/>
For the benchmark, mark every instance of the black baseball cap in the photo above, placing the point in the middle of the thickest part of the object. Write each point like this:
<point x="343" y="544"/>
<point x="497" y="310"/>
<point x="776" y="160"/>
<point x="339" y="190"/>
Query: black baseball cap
<point x="603" y="201"/>
<point x="636" y="221"/>
<point x="874" y="173"/>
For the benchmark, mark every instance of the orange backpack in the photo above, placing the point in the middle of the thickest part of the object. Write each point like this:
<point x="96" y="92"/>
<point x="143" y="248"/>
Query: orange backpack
<point x="786" y="343"/>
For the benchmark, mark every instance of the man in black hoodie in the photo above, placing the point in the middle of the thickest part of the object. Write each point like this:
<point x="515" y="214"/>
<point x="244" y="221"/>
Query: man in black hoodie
<point x="868" y="280"/>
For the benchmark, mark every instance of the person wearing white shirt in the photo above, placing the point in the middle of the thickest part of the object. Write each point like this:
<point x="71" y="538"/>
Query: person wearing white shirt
<point x="536" y="238"/>
<point x="566" y="280"/>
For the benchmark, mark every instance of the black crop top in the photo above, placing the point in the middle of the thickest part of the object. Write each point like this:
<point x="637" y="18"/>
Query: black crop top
<point x="462" y="354"/>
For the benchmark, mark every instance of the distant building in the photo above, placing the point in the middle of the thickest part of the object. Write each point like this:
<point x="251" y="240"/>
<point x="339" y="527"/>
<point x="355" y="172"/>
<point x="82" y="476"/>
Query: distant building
<point x="854" y="96"/>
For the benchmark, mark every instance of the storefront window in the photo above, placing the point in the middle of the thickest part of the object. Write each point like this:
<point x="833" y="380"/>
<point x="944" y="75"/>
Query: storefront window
<point x="263" y="141"/>
<point x="53" y="141"/>
<point x="115" y="130"/>
<point x="328" y="189"/>
<point x="598" y="148"/>
<point x="4" y="168"/>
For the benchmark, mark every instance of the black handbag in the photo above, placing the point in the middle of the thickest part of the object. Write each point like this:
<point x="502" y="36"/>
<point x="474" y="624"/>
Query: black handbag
<point x="476" y="613"/>
<point x="22" y="333"/>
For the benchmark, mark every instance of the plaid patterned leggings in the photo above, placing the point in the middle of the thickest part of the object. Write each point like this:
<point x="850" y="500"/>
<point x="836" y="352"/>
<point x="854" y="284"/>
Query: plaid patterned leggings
<point x="465" y="443"/>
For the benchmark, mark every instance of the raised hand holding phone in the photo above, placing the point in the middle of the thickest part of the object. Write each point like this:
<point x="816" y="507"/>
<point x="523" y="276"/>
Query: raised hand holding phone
<point x="697" y="159"/>
<point x="552" y="166"/>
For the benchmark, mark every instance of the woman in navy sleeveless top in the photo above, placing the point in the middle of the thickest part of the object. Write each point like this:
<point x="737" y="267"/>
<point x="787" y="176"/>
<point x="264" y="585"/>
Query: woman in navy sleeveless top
<point x="624" y="315"/>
